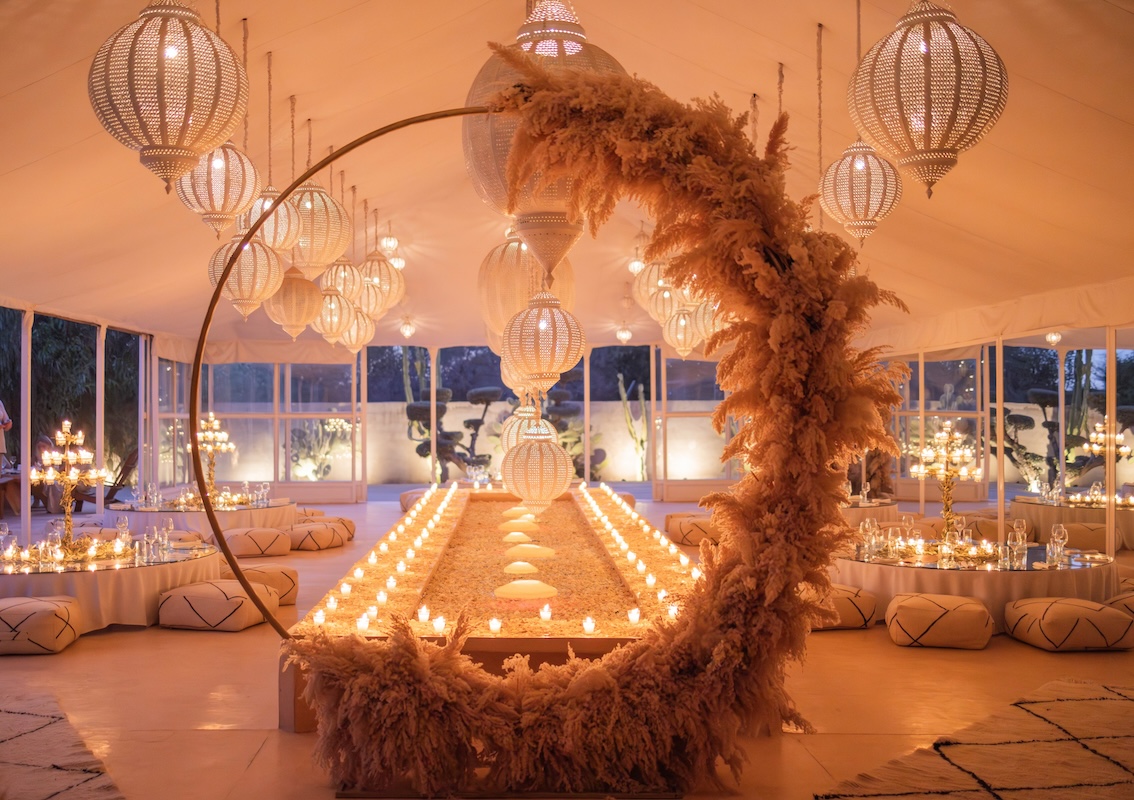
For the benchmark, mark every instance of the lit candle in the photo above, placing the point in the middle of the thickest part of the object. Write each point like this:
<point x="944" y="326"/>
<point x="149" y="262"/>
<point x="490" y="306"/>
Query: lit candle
<point x="381" y="598"/>
<point x="358" y="573"/>
<point x="684" y="559"/>
<point x="345" y="589"/>
<point x="423" y="614"/>
<point x="673" y="549"/>
<point x="417" y="542"/>
<point x="383" y="547"/>
<point x="631" y="556"/>
<point x="439" y="624"/>
<point x="373" y="559"/>
<point x="363" y="622"/>
<point x="410" y="554"/>
<point x="622" y="545"/>
<point x="657" y="534"/>
<point x="118" y="547"/>
<point x="641" y="567"/>
<point x="401" y="566"/>
<point x="393" y="537"/>
<point x="662" y="594"/>
<point x="320" y="617"/>
<point x="664" y="542"/>
<point x="431" y="525"/>
<point x="424" y="534"/>
<point x="391" y="582"/>
<point x="401" y="529"/>
<point x="651" y="580"/>
<point x="372" y="612"/>
<point x="488" y="486"/>
<point x="332" y="603"/>
<point x="545" y="613"/>
<point x="93" y="567"/>
<point x="634" y="615"/>
<point x="92" y="550"/>
<point x="673" y="611"/>
<point x="588" y="625"/>
<point x="494" y="625"/>
<point x="696" y="573"/>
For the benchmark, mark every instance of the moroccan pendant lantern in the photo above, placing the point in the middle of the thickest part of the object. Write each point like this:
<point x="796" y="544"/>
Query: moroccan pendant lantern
<point x="679" y="333"/>
<point x="296" y="304"/>
<point x="280" y="230"/>
<point x="359" y="333"/>
<point x="647" y="282"/>
<point x="222" y="186"/>
<point x="664" y="303"/>
<point x="509" y="276"/>
<point x="523" y="419"/>
<point x="381" y="274"/>
<point x="705" y="320"/>
<point x="335" y="316"/>
<point x="167" y="86"/>
<point x="860" y="189"/>
<point x="537" y="470"/>
<point x="345" y="277"/>
<point x="256" y="275"/>
<point x="542" y="342"/>
<point x="927" y="91"/>
<point x="325" y="229"/>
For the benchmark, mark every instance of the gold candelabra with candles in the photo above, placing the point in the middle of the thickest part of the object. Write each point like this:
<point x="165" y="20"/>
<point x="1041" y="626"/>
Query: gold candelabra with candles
<point x="212" y="440"/>
<point x="71" y="466"/>
<point x="1096" y="445"/>
<point x="948" y="460"/>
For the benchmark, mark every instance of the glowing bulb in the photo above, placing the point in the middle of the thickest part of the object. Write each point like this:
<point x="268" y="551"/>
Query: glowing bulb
<point x="363" y="622"/>
<point x="401" y="566"/>
<point x="171" y="51"/>
<point x="391" y="582"/>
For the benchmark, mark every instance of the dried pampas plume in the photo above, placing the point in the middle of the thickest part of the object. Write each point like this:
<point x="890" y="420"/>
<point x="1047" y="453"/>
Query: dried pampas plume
<point x="662" y="712"/>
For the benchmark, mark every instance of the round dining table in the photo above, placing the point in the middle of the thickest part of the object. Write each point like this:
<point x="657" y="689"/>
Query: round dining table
<point x="280" y="516"/>
<point x="1043" y="515"/>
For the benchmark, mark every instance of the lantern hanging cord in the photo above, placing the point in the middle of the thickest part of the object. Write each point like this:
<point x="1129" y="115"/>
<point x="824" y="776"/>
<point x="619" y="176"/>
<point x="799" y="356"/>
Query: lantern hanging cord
<point x="365" y="228"/>
<point x="292" y="100"/>
<point x="819" y="92"/>
<point x="218" y="17"/>
<point x="269" y="118"/>
<point x="858" y="31"/>
<point x="245" y="62"/>
<point x="309" y="140"/>
<point x="354" y="219"/>
<point x="780" y="90"/>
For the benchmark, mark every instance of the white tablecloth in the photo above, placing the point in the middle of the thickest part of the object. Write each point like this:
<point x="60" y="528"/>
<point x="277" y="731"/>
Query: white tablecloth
<point x="127" y="596"/>
<point x="279" y="517"/>
<point x="885" y="511"/>
<point x="1043" y="516"/>
<point x="995" y="589"/>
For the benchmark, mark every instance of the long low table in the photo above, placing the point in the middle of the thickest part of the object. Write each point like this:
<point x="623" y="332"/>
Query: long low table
<point x="994" y="588"/>
<point x="1044" y="515"/>
<point x="127" y="595"/>
<point x="280" y="517"/>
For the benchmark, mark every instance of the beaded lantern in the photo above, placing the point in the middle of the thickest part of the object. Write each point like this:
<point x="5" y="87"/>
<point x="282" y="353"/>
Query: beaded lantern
<point x="553" y="34"/>
<point x="359" y="333"/>
<point x="222" y="186"/>
<point x="280" y="230"/>
<point x="509" y="276"/>
<point x="705" y="320"/>
<point x="325" y="229"/>
<point x="345" y="277"/>
<point x="336" y="314"/>
<point x="523" y="419"/>
<point x="256" y="275"/>
<point x="624" y="334"/>
<point x="542" y="342"/>
<point x="369" y="301"/>
<point x="648" y="281"/>
<point x="679" y="333"/>
<point x="168" y="87"/>
<point x="389" y="281"/>
<point x="860" y="189"/>
<point x="927" y="91"/>
<point x="296" y="304"/>
<point x="663" y="304"/>
<point x="537" y="470"/>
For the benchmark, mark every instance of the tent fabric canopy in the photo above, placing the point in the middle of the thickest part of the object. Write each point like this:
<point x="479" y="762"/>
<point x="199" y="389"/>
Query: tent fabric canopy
<point x="1029" y="232"/>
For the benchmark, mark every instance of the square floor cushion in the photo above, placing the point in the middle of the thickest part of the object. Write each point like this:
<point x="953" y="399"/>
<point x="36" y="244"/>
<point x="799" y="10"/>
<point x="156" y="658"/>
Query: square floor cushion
<point x="37" y="625"/>
<point x="257" y="542"/>
<point x="284" y="580"/>
<point x="316" y="536"/>
<point x="214" y="606"/>
<point x="938" y="620"/>
<point x="689" y="529"/>
<point x="856" y="608"/>
<point x="1062" y="624"/>
<point x="1124" y="602"/>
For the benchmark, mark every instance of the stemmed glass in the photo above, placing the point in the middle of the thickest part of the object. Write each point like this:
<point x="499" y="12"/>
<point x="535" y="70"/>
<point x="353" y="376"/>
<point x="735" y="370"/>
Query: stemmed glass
<point x="149" y="538"/>
<point x="166" y="533"/>
<point x="1018" y="543"/>
<point x="865" y="492"/>
<point x="266" y="488"/>
<point x="1058" y="542"/>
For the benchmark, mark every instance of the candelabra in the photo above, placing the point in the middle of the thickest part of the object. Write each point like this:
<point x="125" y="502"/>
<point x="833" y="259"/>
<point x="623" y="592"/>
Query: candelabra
<point x="69" y="467"/>
<point x="212" y="440"/>
<point x="1097" y="441"/>
<point x="948" y="460"/>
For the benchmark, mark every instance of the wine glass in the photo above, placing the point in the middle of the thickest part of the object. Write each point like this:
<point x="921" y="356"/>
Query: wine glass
<point x="865" y="492"/>
<point x="1059" y="541"/>
<point x="907" y="523"/>
<point x="149" y="537"/>
<point x="122" y="523"/>
<point x="1020" y="526"/>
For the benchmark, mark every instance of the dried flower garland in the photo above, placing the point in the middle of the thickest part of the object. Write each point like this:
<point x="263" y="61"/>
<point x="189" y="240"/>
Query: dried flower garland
<point x="661" y="713"/>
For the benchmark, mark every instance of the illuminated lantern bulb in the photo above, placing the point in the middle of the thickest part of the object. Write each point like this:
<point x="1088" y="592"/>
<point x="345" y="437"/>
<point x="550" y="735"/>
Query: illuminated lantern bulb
<point x="280" y="230"/>
<point x="860" y="189"/>
<point x="335" y="316"/>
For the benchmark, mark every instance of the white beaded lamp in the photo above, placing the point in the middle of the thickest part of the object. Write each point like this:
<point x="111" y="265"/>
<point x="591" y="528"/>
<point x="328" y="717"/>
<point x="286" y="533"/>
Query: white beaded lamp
<point x="256" y="275"/>
<point x="390" y="282"/>
<point x="296" y="304"/>
<point x="542" y="342"/>
<point x="169" y="87"/>
<point x="664" y="303"/>
<point x="705" y="320"/>
<point x="648" y="281"/>
<point x="522" y="420"/>
<point x="325" y="229"/>
<point x="927" y="91"/>
<point x="679" y="333"/>
<point x="860" y="189"/>
<point x="537" y="470"/>
<point x="359" y="333"/>
<point x="335" y="316"/>
<point x="280" y="230"/>
<point x="509" y="276"/>
<point x="222" y="186"/>
<point x="345" y="277"/>
<point x="624" y="334"/>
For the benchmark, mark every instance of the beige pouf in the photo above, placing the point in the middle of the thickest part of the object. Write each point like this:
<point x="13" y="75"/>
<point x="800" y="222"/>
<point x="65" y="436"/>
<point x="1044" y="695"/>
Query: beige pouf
<point x="257" y="542"/>
<point x="284" y="580"/>
<point x="37" y="625"/>
<point x="1123" y="602"/>
<point x="316" y="536"/>
<point x="214" y="606"/>
<point x="309" y="512"/>
<point x="856" y="608"/>
<point x="409" y="497"/>
<point x="347" y="525"/>
<point x="1062" y="624"/>
<point x="938" y="620"/>
<point x="689" y="529"/>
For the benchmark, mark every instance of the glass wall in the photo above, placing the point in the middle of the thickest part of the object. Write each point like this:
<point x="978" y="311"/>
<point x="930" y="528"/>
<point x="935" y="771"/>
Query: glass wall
<point x="10" y="334"/>
<point x="397" y="449"/>
<point x="620" y="413"/>
<point x="120" y="388"/>
<point x="174" y="427"/>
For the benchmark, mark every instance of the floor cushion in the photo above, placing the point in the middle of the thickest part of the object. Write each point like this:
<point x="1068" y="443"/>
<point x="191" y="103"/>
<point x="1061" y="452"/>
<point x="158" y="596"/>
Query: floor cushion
<point x="37" y="625"/>
<point x="1062" y="624"/>
<point x="347" y="525"/>
<point x="689" y="528"/>
<point x="316" y="536"/>
<point x="409" y="497"/>
<point x="938" y="620"/>
<point x="309" y="512"/>
<point x="1123" y="602"/>
<point x="220" y="605"/>
<point x="257" y="542"/>
<point x="856" y="608"/>
<point x="284" y="580"/>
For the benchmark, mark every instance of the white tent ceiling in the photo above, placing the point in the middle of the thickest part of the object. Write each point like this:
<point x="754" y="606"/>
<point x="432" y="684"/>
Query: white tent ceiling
<point x="1041" y="207"/>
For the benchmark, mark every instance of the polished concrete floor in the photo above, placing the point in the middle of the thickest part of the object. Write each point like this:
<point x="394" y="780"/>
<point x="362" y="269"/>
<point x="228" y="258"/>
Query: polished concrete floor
<point x="186" y="714"/>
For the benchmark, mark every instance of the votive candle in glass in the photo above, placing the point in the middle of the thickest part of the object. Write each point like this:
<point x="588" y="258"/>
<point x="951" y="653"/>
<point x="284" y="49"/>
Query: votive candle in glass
<point x="588" y="625"/>
<point x="545" y="613"/>
<point x="634" y="615"/>
<point x="494" y="625"/>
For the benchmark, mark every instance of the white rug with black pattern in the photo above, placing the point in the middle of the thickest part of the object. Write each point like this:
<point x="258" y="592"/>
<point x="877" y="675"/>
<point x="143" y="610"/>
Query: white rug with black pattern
<point x="42" y="756"/>
<point x="1069" y="740"/>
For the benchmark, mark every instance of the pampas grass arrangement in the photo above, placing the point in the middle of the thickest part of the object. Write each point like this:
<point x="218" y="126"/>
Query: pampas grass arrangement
<point x="662" y="713"/>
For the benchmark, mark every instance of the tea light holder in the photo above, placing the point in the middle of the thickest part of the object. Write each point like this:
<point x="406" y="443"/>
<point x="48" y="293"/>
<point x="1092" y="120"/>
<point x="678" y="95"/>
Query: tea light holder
<point x="383" y="548"/>
<point x="401" y="566"/>
<point x="372" y="612"/>
<point x="381" y="598"/>
<point x="319" y="618"/>
<point x="439" y="624"/>
<point x="363" y="622"/>
<point x="358" y="573"/>
<point x="391" y="582"/>
<point x="673" y="611"/>
<point x="373" y="559"/>
<point x="423" y="614"/>
<point x="545" y="613"/>
<point x="344" y="590"/>
<point x="494" y="625"/>
<point x="588" y="625"/>
<point x="332" y="603"/>
<point x="634" y="615"/>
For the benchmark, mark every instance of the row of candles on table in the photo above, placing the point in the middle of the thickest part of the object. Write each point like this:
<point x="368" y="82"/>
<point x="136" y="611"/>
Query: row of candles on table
<point x="957" y="549"/>
<point x="55" y="550"/>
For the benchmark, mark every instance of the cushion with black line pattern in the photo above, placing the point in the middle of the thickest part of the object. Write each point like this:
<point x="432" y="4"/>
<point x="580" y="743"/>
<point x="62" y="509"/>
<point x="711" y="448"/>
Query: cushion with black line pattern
<point x="220" y="605"/>
<point x="938" y="620"/>
<point x="1063" y="624"/>
<point x="37" y="625"/>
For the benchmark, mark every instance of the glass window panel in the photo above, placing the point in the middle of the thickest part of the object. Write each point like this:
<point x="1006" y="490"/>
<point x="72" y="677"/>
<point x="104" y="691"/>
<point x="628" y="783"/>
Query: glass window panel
<point x="693" y="449"/>
<point x="63" y="376"/>
<point x="320" y="387"/>
<point x="242" y="388"/>
<point x="10" y="365"/>
<point x="694" y="381"/>
<point x="620" y="429"/>
<point x="951" y="385"/>
<point x="397" y="374"/>
<point x="173" y="457"/>
<point x="165" y="386"/>
<point x="319" y="449"/>
<point x="121" y="390"/>
<point x="253" y="459"/>
<point x="181" y="387"/>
